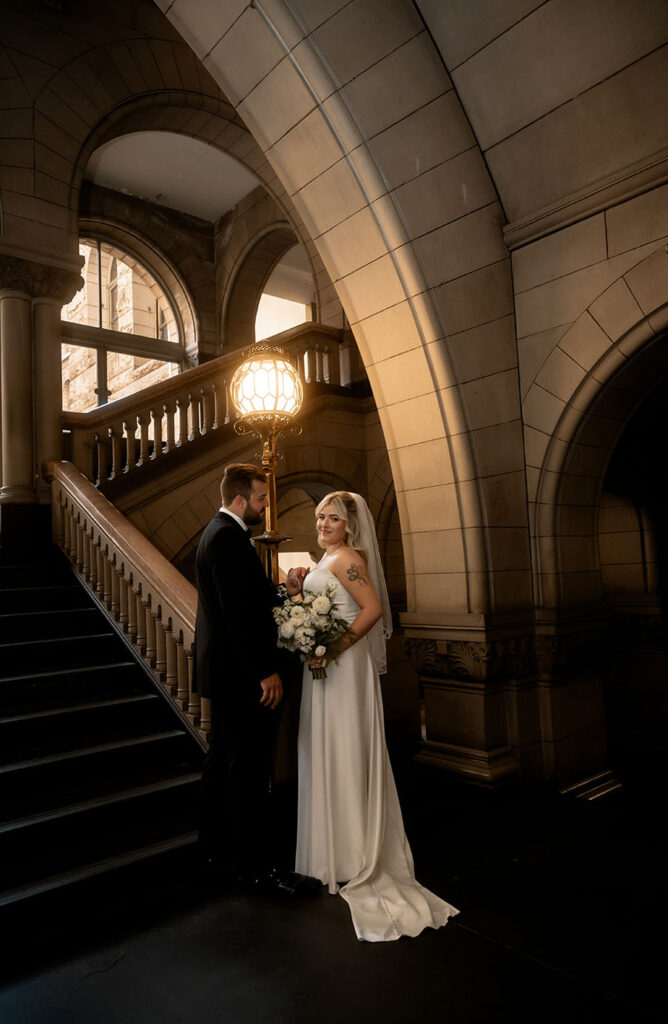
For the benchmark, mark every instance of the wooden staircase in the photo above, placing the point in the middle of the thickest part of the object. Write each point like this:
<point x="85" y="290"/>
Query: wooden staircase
<point x="97" y="769"/>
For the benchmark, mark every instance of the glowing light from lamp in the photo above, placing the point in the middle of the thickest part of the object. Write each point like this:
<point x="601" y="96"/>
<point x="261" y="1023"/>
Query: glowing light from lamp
<point x="267" y="383"/>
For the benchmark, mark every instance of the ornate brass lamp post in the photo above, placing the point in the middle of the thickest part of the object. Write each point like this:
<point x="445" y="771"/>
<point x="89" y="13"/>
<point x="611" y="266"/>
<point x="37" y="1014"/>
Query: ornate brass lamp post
<point x="267" y="392"/>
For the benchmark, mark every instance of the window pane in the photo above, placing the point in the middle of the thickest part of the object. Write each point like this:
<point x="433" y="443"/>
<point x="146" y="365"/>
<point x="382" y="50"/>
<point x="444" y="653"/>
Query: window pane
<point x="132" y="300"/>
<point x="127" y="374"/>
<point x="79" y="375"/>
<point x="275" y="315"/>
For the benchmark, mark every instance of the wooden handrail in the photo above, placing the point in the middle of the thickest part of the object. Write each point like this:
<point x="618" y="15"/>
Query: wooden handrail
<point x="146" y="596"/>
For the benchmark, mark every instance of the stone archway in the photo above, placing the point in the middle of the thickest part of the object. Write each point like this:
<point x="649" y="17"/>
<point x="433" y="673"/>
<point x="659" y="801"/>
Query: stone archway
<point x="341" y="153"/>
<point x="253" y="270"/>
<point x="608" y="361"/>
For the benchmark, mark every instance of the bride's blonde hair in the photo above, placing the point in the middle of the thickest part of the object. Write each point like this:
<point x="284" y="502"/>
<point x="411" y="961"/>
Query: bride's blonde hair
<point x="345" y="508"/>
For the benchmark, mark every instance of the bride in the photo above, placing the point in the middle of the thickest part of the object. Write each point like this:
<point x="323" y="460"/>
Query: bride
<point x="349" y="827"/>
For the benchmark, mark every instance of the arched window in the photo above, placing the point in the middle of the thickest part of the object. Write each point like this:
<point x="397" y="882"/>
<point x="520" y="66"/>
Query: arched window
<point x="288" y="296"/>
<point x="120" y="332"/>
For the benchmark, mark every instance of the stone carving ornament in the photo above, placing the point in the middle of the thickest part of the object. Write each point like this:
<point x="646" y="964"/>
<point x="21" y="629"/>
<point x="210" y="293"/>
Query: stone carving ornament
<point x="38" y="280"/>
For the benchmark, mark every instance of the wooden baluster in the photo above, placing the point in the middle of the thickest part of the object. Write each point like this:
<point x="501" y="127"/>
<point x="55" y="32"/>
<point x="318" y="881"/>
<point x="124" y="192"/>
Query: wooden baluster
<point x="169" y="410"/>
<point x="107" y="576"/>
<point x="205" y="719"/>
<point x="181" y="675"/>
<point x="132" y="611"/>
<point x="123" y="615"/>
<point x="67" y="532"/>
<point x="85" y="553"/>
<point x="140" y="612"/>
<point x="74" y="533"/>
<point x="193" y="710"/>
<point x="214" y="393"/>
<point x="227" y="402"/>
<point x="130" y="429"/>
<point x="58" y="523"/>
<point x="319" y="375"/>
<point x="115" y="440"/>
<point x="160" y="647"/>
<point x="143" y="422"/>
<point x="149" y="655"/>
<point x="99" y="570"/>
<point x="157" y="434"/>
<point x="309" y="363"/>
<point x="75" y="539"/>
<point x="171" y="678"/>
<point x="92" y="572"/>
<point x="182" y="412"/>
<point x="115" y="608"/>
<point x="80" y="544"/>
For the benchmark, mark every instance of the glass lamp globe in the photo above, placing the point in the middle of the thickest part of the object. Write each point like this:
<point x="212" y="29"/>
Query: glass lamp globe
<point x="266" y="385"/>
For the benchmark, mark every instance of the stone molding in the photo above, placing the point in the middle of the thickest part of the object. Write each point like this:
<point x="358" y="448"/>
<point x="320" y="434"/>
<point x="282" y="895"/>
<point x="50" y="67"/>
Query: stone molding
<point x="37" y="280"/>
<point x="600" y="195"/>
<point x="471" y="660"/>
<point x="546" y="655"/>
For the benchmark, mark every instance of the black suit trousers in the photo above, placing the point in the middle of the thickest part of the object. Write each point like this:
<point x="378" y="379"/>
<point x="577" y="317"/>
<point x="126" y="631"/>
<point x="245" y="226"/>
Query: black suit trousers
<point x="234" y="811"/>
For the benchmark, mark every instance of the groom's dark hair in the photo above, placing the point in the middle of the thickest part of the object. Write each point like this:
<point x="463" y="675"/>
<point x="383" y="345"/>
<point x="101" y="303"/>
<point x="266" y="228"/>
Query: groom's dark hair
<point x="238" y="479"/>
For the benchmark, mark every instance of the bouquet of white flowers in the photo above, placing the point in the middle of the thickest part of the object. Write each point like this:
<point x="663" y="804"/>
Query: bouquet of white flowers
<point x="310" y="625"/>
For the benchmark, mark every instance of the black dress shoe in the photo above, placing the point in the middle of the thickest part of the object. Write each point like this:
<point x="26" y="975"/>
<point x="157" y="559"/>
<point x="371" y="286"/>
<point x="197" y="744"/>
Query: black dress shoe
<point x="293" y="884"/>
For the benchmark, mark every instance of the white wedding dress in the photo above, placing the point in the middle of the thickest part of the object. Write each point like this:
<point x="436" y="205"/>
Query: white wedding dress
<point x="349" y="828"/>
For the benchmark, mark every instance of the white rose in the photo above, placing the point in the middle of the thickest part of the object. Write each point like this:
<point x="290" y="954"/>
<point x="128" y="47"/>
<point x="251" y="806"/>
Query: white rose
<point x="287" y="630"/>
<point x="321" y="605"/>
<point x="297" y="613"/>
<point x="319" y="651"/>
<point x="319" y="622"/>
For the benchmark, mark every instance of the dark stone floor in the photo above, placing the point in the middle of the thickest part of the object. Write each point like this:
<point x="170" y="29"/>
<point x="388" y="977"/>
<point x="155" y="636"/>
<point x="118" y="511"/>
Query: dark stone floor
<point x="562" y="902"/>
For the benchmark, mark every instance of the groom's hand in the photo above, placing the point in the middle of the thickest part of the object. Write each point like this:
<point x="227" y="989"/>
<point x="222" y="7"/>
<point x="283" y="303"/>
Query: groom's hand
<point x="272" y="691"/>
<point x="294" y="581"/>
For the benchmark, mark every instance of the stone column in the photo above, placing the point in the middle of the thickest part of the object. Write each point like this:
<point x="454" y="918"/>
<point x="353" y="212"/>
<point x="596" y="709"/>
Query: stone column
<point x="18" y="483"/>
<point x="47" y="388"/>
<point x="31" y="298"/>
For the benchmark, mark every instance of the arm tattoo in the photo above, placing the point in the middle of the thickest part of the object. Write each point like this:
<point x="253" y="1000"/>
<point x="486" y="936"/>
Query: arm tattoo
<point x="356" y="572"/>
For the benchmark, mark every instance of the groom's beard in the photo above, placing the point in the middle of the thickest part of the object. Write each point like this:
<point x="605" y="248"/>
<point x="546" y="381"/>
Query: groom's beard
<point x="252" y="518"/>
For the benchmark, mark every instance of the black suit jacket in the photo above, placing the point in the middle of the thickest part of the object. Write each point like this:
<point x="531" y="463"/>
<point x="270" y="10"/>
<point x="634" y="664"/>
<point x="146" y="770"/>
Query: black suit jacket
<point x="235" y="633"/>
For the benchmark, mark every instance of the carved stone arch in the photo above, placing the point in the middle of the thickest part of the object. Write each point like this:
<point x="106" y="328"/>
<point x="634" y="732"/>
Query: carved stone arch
<point x="161" y="267"/>
<point x="619" y="369"/>
<point x="254" y="267"/>
<point x="403" y="307"/>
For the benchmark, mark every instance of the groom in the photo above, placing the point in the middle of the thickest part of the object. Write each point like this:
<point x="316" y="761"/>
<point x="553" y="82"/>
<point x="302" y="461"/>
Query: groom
<point x="237" y="666"/>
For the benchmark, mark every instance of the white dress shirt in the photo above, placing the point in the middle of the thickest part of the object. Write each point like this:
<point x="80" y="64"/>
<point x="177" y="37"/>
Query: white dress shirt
<point x="233" y="515"/>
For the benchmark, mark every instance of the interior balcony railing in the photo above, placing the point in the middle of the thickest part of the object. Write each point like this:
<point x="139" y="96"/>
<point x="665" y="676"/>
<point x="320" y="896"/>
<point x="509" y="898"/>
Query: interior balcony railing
<point x="118" y="439"/>
<point x="151" y="602"/>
